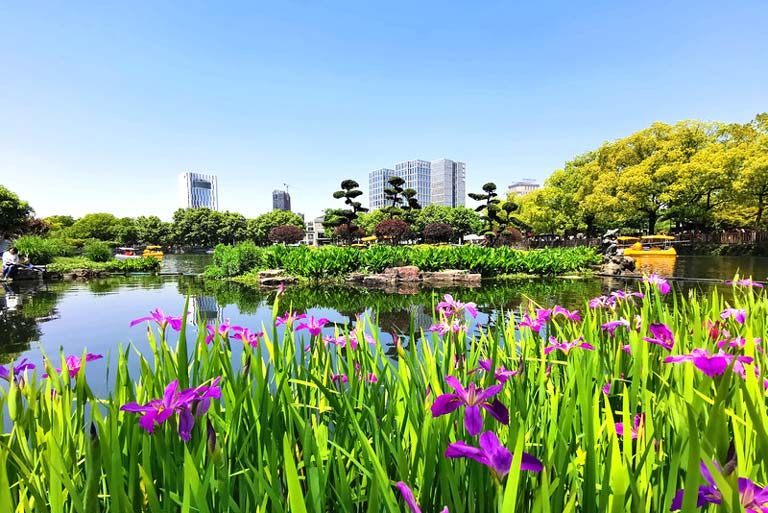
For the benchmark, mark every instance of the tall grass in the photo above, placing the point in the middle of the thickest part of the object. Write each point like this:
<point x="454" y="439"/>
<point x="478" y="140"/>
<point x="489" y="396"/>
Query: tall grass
<point x="289" y="438"/>
<point x="333" y="261"/>
<point x="41" y="250"/>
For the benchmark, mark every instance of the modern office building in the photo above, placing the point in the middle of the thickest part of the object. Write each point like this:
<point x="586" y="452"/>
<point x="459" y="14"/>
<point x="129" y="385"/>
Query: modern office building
<point x="448" y="182"/>
<point x="377" y="181"/>
<point x="281" y="200"/>
<point x="417" y="176"/>
<point x="197" y="190"/>
<point x="523" y="187"/>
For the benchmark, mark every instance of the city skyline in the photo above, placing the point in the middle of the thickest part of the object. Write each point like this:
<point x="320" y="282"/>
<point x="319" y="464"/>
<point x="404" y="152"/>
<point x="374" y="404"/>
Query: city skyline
<point x="281" y="200"/>
<point x="104" y="104"/>
<point x="436" y="182"/>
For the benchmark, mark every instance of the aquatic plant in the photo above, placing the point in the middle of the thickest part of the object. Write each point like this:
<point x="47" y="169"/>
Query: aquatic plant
<point x="268" y="426"/>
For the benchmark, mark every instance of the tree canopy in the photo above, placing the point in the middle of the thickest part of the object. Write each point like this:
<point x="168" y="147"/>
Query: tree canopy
<point x="13" y="212"/>
<point x="691" y="175"/>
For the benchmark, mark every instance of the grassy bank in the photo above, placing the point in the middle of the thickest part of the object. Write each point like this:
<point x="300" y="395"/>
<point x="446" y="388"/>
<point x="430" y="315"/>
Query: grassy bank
<point x="69" y="264"/>
<point x="332" y="261"/>
<point x="613" y="408"/>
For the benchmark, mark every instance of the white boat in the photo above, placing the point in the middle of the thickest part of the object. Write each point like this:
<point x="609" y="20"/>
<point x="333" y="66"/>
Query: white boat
<point x="127" y="254"/>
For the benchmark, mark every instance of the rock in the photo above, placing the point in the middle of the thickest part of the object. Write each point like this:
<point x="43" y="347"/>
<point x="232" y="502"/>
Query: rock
<point x="271" y="273"/>
<point x="27" y="274"/>
<point x="276" y="281"/>
<point x="408" y="273"/>
<point x="356" y="278"/>
<point x="379" y="280"/>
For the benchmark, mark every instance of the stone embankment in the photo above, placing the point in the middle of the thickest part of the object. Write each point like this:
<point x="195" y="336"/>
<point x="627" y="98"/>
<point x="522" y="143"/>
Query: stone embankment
<point x="402" y="280"/>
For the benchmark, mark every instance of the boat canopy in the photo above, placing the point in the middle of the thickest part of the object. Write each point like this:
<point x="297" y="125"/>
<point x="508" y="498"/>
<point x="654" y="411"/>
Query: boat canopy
<point x="626" y="239"/>
<point x="154" y="247"/>
<point x="369" y="239"/>
<point x="658" y="237"/>
<point x="126" y="249"/>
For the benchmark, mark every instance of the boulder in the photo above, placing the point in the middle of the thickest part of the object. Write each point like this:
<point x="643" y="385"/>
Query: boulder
<point x="276" y="281"/>
<point x="271" y="273"/>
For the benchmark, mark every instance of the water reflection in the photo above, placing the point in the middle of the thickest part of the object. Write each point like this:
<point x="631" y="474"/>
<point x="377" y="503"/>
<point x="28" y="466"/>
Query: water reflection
<point x="23" y="307"/>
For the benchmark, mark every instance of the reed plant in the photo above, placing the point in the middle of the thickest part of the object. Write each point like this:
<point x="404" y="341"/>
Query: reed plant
<point x="613" y="408"/>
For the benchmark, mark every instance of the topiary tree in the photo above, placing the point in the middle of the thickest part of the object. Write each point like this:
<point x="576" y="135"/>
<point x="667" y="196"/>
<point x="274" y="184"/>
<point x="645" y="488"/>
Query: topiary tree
<point x="346" y="216"/>
<point x="286" y="234"/>
<point x="437" y="232"/>
<point x="393" y="230"/>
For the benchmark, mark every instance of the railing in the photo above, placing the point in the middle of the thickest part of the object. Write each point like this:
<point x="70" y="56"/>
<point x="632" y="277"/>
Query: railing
<point x="688" y="237"/>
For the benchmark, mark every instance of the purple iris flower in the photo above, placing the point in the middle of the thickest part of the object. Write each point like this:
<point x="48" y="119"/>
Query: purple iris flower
<point x="17" y="370"/>
<point x="739" y="314"/>
<point x="315" y="326"/>
<point x="746" y="282"/>
<point x="445" y="327"/>
<point x="637" y="426"/>
<point x="611" y="326"/>
<point x="341" y="341"/>
<point x="492" y="454"/>
<point x="661" y="284"/>
<point x="252" y="339"/>
<point x="566" y="346"/>
<point x="662" y="336"/>
<point x="410" y="500"/>
<point x="571" y="316"/>
<point x="622" y="295"/>
<point x="73" y="363"/>
<point x="182" y="402"/>
<point x="450" y="306"/>
<point x="752" y="497"/>
<point x="161" y="319"/>
<point x="535" y="324"/>
<point x="288" y="318"/>
<point x="710" y="364"/>
<point x="222" y="331"/>
<point x="501" y="374"/>
<point x="598" y="302"/>
<point x="473" y="398"/>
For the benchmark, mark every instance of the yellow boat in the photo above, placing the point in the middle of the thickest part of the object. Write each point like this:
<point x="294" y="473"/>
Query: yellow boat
<point x="648" y="245"/>
<point x="153" y="251"/>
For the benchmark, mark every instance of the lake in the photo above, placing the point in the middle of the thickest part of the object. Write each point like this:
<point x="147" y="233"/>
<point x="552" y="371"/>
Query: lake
<point x="95" y="315"/>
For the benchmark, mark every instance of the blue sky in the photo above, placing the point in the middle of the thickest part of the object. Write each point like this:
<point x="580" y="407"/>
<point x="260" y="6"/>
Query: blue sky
<point x="103" y="104"/>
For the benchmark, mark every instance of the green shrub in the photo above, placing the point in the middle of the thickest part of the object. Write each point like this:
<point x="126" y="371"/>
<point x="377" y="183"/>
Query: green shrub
<point x="97" y="251"/>
<point x="333" y="261"/>
<point x="41" y="250"/>
<point x="134" y="265"/>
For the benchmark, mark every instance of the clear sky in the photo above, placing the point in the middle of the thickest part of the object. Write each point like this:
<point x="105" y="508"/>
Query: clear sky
<point x="103" y="104"/>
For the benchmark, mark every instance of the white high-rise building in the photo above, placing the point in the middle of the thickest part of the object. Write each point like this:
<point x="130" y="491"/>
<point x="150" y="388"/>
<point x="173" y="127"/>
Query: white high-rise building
<point x="448" y="182"/>
<point x="197" y="190"/>
<point x="377" y="181"/>
<point x="416" y="174"/>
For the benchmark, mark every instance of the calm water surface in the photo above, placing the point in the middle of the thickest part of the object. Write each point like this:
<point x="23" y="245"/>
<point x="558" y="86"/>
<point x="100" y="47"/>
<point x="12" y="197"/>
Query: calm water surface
<point x="96" y="314"/>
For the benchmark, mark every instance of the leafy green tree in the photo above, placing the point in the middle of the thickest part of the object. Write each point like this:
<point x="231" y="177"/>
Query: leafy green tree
<point x="403" y="200"/>
<point x="101" y="226"/>
<point x="196" y="227"/>
<point x="233" y="228"/>
<point x="464" y="221"/>
<point x="13" y="211"/>
<point x="58" y="223"/>
<point x="258" y="228"/>
<point x="368" y="221"/>
<point x="152" y="230"/>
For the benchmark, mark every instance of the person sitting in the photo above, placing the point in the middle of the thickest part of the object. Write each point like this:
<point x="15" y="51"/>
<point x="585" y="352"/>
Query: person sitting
<point x="11" y="263"/>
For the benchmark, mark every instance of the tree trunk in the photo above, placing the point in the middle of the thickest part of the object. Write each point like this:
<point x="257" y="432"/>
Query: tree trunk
<point x="652" y="218"/>
<point x="760" y="208"/>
